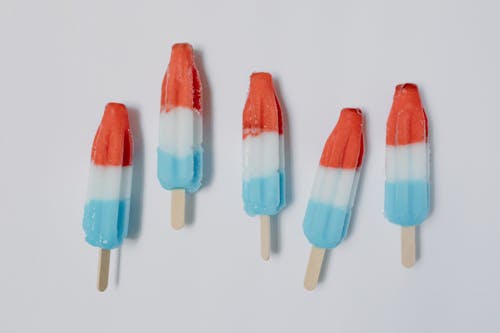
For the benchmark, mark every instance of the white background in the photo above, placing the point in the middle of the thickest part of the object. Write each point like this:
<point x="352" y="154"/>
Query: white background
<point x="62" y="61"/>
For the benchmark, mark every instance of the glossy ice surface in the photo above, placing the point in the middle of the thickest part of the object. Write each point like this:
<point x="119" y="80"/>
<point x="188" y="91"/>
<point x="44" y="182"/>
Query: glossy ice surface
<point x="263" y="149"/>
<point x="106" y="222"/>
<point x="180" y="152"/>
<point x="328" y="212"/>
<point x="407" y="186"/>
<point x="106" y="212"/>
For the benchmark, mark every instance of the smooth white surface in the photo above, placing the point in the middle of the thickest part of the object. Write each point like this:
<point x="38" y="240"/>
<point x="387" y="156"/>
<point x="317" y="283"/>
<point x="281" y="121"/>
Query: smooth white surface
<point x="261" y="155"/>
<point x="407" y="162"/>
<point x="62" y="61"/>
<point x="180" y="131"/>
<point x="335" y="186"/>
<point x="109" y="182"/>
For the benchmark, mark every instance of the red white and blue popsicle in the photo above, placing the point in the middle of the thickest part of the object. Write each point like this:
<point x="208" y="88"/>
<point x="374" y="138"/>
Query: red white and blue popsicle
<point x="329" y="209"/>
<point x="407" y="186"/>
<point x="106" y="213"/>
<point x="263" y="155"/>
<point x="180" y="154"/>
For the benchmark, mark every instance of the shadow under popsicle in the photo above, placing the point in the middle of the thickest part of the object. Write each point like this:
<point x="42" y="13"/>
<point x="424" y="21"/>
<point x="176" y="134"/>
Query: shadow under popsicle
<point x="134" y="227"/>
<point x="430" y="134"/>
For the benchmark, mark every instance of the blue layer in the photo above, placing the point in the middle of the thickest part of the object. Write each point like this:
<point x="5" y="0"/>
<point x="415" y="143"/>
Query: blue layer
<point x="407" y="203"/>
<point x="325" y="225"/>
<point x="176" y="173"/>
<point x="265" y="195"/>
<point x="105" y="222"/>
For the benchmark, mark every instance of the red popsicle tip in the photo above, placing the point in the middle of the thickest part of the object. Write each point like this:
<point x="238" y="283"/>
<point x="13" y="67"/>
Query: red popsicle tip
<point x="262" y="111"/>
<point x="261" y="78"/>
<point x="113" y="140"/>
<point x="345" y="147"/>
<point x="407" y="122"/>
<point x="181" y="85"/>
<point x="407" y="93"/>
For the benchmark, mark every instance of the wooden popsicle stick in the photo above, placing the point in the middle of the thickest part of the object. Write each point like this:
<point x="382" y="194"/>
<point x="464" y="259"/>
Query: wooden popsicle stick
<point x="178" y="209"/>
<point x="314" y="267"/>
<point x="265" y="237"/>
<point x="408" y="246"/>
<point x="103" y="269"/>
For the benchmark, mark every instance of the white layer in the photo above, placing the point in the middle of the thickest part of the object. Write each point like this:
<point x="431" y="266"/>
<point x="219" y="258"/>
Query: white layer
<point x="408" y="162"/>
<point x="180" y="131"/>
<point x="335" y="186"/>
<point x="109" y="182"/>
<point x="261" y="155"/>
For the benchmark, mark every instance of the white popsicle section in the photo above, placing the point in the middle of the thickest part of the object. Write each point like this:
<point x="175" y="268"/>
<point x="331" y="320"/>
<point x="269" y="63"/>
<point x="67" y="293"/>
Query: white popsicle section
<point x="180" y="131"/>
<point x="109" y="182"/>
<point x="335" y="186"/>
<point x="262" y="155"/>
<point x="408" y="162"/>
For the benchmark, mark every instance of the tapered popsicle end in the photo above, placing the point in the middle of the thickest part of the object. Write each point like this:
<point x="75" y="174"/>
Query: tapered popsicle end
<point x="265" y="237"/>
<point x="178" y="209"/>
<point x="408" y="246"/>
<point x="103" y="270"/>
<point x="314" y="268"/>
<point x="407" y="93"/>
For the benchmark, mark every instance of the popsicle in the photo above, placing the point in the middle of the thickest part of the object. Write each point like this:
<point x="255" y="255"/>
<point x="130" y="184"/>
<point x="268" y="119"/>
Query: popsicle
<point x="329" y="209"/>
<point x="180" y="154"/>
<point x="106" y="213"/>
<point x="407" y="186"/>
<point x="263" y="155"/>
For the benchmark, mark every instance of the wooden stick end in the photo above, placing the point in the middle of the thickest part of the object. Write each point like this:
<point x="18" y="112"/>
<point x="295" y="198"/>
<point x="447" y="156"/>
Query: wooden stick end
<point x="178" y="209"/>
<point x="265" y="237"/>
<point x="103" y="270"/>
<point x="314" y="268"/>
<point x="408" y="246"/>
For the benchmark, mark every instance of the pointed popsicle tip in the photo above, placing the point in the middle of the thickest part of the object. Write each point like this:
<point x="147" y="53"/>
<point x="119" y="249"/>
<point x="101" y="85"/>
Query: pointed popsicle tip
<point x="113" y="141"/>
<point x="181" y="58"/>
<point x="261" y="76"/>
<point x="182" y="50"/>
<point x="115" y="114"/>
<point x="114" y="108"/>
<point x="406" y="86"/>
<point x="407" y="92"/>
<point x="261" y="81"/>
<point x="351" y="115"/>
<point x="344" y="147"/>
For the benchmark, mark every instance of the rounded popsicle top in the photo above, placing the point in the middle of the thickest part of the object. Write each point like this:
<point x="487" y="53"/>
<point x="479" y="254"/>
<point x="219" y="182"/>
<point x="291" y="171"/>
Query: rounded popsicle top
<point x="181" y="85"/>
<point x="262" y="111"/>
<point x="345" y="147"/>
<point x="261" y="79"/>
<point x="113" y="141"/>
<point x="407" y="122"/>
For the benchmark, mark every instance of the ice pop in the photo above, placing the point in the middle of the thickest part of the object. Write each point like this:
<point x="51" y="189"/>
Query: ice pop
<point x="407" y="167"/>
<point x="106" y="212"/>
<point x="329" y="209"/>
<point x="263" y="155"/>
<point x="180" y="154"/>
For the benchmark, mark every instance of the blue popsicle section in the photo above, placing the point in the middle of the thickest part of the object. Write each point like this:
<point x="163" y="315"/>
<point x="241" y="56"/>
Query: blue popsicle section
<point x="264" y="195"/>
<point x="407" y="203"/>
<point x="180" y="173"/>
<point x="105" y="222"/>
<point x="325" y="225"/>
